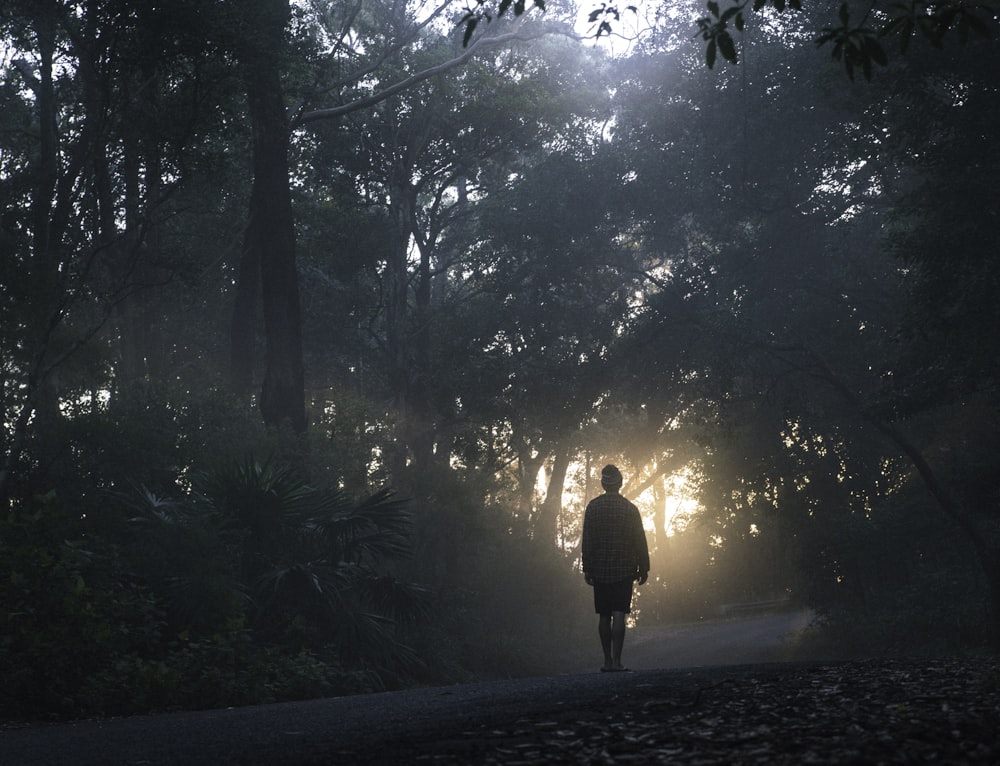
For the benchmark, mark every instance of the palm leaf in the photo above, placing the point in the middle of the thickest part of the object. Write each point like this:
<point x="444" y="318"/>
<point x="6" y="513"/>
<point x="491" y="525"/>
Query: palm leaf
<point x="377" y="528"/>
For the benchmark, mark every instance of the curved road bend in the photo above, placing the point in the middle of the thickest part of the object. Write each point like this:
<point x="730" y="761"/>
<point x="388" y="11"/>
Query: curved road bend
<point x="355" y="729"/>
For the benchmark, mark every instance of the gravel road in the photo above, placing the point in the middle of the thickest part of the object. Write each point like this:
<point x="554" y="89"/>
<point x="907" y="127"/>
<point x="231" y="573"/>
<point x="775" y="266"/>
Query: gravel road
<point x="916" y="711"/>
<point x="748" y="639"/>
<point x="285" y="732"/>
<point x="765" y="637"/>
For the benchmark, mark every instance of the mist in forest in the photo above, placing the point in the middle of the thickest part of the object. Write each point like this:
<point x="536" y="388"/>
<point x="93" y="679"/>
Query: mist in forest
<point x="317" y="328"/>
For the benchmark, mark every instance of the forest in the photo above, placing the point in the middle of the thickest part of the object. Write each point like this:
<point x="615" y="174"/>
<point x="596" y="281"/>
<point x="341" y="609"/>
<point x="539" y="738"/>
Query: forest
<point x="319" y="318"/>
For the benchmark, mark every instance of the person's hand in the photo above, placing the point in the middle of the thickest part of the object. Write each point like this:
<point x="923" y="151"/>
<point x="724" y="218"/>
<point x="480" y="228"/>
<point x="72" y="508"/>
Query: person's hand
<point x="643" y="576"/>
<point x="589" y="579"/>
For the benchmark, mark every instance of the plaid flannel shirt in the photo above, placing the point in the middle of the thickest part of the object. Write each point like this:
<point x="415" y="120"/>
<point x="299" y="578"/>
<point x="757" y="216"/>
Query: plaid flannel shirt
<point x="614" y="541"/>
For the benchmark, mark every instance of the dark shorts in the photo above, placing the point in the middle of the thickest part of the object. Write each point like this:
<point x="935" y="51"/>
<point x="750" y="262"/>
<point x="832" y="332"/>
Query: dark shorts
<point x="613" y="597"/>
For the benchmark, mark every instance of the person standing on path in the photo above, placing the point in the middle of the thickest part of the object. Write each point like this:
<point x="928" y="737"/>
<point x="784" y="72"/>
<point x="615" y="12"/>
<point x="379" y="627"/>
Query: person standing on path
<point x="615" y="555"/>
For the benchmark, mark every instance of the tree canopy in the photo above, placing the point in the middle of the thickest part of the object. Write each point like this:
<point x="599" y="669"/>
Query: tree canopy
<point x="315" y="315"/>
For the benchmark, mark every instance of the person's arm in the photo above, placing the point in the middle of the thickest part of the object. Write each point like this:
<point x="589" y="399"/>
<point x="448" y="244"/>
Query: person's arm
<point x="586" y="547"/>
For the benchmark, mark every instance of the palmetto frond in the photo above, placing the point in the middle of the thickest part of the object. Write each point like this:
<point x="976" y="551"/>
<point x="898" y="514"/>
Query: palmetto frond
<point x="183" y="556"/>
<point x="260" y="497"/>
<point x="400" y="600"/>
<point x="377" y="528"/>
<point x="151" y="509"/>
<point x="309" y="560"/>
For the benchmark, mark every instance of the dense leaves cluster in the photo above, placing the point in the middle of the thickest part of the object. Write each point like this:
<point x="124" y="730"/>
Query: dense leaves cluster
<point x="857" y="42"/>
<point x="256" y="588"/>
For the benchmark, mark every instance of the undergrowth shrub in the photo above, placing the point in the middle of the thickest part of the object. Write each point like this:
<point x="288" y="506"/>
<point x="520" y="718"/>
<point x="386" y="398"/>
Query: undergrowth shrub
<point x="67" y="612"/>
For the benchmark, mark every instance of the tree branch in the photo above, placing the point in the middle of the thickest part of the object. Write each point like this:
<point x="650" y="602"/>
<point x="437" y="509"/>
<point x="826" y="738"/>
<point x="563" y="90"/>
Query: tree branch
<point x="359" y="74"/>
<point x="426" y="74"/>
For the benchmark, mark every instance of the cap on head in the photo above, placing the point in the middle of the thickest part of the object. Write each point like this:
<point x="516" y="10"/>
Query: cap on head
<point x="611" y="477"/>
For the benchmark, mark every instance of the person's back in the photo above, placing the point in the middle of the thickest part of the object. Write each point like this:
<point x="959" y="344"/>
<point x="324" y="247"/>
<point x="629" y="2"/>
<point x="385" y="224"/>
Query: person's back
<point x="614" y="543"/>
<point x="614" y="555"/>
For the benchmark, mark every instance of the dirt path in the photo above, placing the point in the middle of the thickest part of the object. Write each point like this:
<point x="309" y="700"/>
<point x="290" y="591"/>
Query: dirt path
<point x="764" y="637"/>
<point x="312" y="731"/>
<point x="867" y="713"/>
<point x="697" y="696"/>
<point x="780" y="714"/>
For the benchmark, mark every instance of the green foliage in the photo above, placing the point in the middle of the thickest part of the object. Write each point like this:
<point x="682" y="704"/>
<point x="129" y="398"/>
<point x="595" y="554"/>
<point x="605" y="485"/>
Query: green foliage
<point x="219" y="670"/>
<point x="939" y="232"/>
<point x="858" y="45"/>
<point x="633" y="257"/>
<point x="261" y="589"/>
<point x="921" y="620"/>
<point x="604" y="16"/>
<point x="306" y="561"/>
<point x="482" y="11"/>
<point x="714" y="31"/>
<point x="854" y="46"/>
<point x="69" y="609"/>
<point x="149" y="435"/>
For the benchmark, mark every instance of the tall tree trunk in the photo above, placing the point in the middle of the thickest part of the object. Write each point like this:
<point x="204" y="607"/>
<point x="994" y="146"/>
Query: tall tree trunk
<point x="530" y="464"/>
<point x="423" y="421"/>
<point x="270" y="234"/>
<point x="140" y="177"/>
<point x="659" y="512"/>
<point x="243" y="328"/>
<point x="39" y="405"/>
<point x="397" y="279"/>
<point x="45" y="233"/>
<point x="547" y="519"/>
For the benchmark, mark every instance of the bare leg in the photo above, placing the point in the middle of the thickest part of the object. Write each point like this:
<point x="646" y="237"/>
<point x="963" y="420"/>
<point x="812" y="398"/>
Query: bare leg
<point x="617" y="639"/>
<point x="604" y="629"/>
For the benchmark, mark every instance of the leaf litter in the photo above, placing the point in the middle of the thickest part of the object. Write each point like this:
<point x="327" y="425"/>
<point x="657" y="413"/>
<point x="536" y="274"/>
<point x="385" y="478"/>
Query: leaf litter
<point x="903" y="711"/>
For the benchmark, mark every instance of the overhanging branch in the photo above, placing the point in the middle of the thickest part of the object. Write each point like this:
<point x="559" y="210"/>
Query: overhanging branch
<point x="426" y="74"/>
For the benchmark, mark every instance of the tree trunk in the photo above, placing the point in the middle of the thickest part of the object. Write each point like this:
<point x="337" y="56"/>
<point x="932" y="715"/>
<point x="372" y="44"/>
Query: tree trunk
<point x="530" y="465"/>
<point x="423" y="431"/>
<point x="659" y="512"/>
<point x="44" y="234"/>
<point x="38" y="406"/>
<point x="270" y="234"/>
<point x="134" y="254"/>
<point x="547" y="519"/>
<point x="243" y="329"/>
<point x="397" y="277"/>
